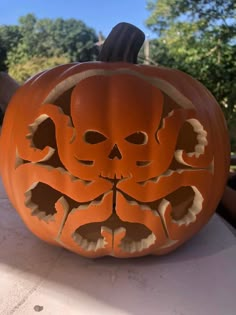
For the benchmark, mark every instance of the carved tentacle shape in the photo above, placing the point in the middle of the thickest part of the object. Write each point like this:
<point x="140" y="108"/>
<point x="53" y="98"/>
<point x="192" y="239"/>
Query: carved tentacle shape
<point x="167" y="230"/>
<point x="158" y="187"/>
<point x="202" y="155"/>
<point x="26" y="148"/>
<point x="65" y="135"/>
<point x="100" y="212"/>
<point x="155" y="189"/>
<point x="132" y="211"/>
<point x="51" y="222"/>
<point x="77" y="189"/>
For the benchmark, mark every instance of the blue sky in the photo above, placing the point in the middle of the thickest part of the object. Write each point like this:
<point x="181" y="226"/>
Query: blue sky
<point x="102" y="15"/>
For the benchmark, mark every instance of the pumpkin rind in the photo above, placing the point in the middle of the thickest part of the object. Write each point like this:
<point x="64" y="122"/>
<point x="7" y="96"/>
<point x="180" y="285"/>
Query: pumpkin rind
<point x="120" y="160"/>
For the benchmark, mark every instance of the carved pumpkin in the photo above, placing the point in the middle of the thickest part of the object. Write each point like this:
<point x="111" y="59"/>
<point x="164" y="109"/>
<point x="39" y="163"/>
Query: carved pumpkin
<point x="114" y="158"/>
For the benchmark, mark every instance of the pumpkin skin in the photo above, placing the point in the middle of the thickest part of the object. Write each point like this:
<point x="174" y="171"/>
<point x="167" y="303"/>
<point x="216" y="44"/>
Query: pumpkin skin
<point x="114" y="158"/>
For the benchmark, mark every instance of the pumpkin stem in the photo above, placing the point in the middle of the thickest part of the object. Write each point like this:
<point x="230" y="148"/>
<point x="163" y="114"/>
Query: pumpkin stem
<point x="122" y="44"/>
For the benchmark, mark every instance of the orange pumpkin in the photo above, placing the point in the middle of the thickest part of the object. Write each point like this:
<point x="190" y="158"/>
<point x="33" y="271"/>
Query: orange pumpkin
<point x="114" y="158"/>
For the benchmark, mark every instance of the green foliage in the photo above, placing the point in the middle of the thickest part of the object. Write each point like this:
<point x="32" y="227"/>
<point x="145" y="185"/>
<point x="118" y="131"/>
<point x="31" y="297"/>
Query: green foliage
<point x="199" y="37"/>
<point x="9" y="37"/>
<point x="33" y="41"/>
<point x="22" y="71"/>
<point x="48" y="38"/>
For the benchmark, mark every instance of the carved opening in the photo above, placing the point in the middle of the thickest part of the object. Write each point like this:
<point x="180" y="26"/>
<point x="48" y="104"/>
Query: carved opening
<point x="169" y="106"/>
<point x="94" y="137"/>
<point x="143" y="163"/>
<point x="134" y="231"/>
<point x="45" y="135"/>
<point x="186" y="203"/>
<point x="63" y="101"/>
<point x="192" y="139"/>
<point x="176" y="165"/>
<point x="138" y="137"/>
<point x="187" y="139"/>
<point x="137" y="237"/>
<point x="42" y="133"/>
<point x="41" y="199"/>
<point x="181" y="200"/>
<point x="19" y="161"/>
<point x="85" y="162"/>
<point x="152" y="206"/>
<point x="115" y="153"/>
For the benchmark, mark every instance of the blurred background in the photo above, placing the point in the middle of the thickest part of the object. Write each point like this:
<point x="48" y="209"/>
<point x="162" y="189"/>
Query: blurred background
<point x="198" y="37"/>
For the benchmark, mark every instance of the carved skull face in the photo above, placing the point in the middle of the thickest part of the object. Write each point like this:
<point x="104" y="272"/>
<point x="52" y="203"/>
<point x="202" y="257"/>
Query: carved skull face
<point x="120" y="163"/>
<point x="116" y="126"/>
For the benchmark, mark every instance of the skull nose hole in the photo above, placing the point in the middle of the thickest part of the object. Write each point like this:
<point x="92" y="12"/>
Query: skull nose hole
<point x="115" y="153"/>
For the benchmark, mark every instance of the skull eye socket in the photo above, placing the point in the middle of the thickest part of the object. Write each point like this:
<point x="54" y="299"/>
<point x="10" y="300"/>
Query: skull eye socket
<point x="94" y="137"/>
<point x="138" y="137"/>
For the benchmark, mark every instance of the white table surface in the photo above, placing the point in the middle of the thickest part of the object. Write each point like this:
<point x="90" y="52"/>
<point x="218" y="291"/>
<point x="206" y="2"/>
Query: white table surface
<point x="197" y="279"/>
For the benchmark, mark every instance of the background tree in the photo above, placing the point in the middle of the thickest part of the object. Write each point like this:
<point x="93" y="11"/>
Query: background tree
<point x="47" y="42"/>
<point x="199" y="37"/>
<point x="9" y="37"/>
<point x="22" y="71"/>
